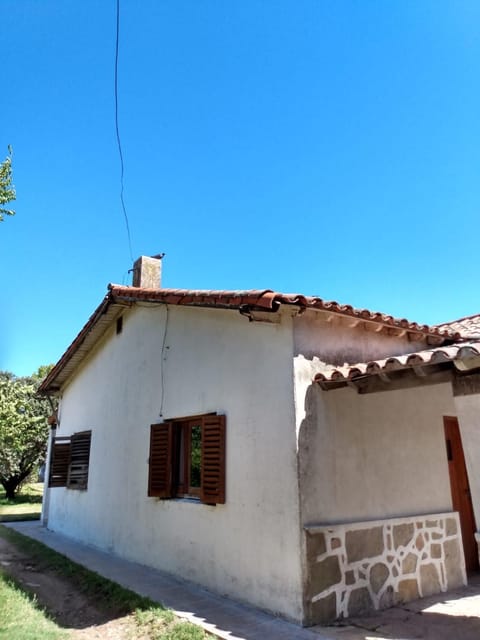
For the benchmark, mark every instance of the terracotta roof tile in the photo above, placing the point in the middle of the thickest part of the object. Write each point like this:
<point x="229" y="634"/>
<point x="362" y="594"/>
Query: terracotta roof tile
<point x="270" y="300"/>
<point x="263" y="298"/>
<point x="436" y="355"/>
<point x="467" y="327"/>
<point x="256" y="299"/>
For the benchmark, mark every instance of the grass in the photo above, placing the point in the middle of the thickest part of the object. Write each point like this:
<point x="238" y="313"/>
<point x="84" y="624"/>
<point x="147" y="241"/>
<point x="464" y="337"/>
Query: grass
<point x="20" y="616"/>
<point x="151" y="618"/>
<point x="26" y="506"/>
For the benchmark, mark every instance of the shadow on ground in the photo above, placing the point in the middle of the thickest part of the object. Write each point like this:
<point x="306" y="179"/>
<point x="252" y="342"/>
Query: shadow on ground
<point x="446" y="616"/>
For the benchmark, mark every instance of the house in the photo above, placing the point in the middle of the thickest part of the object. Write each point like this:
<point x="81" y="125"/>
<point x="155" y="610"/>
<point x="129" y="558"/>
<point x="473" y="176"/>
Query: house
<point x="220" y="436"/>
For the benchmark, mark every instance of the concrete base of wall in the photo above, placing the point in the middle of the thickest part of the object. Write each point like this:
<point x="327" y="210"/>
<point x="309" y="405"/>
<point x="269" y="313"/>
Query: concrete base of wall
<point x="358" y="567"/>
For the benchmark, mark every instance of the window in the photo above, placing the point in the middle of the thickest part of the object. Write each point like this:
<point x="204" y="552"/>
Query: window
<point x="70" y="460"/>
<point x="79" y="460"/>
<point x="187" y="459"/>
<point x="59" y="462"/>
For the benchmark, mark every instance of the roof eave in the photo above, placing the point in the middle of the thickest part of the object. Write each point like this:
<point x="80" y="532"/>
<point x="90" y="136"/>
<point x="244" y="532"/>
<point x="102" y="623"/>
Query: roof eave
<point x="78" y="349"/>
<point x="464" y="357"/>
<point x="261" y="300"/>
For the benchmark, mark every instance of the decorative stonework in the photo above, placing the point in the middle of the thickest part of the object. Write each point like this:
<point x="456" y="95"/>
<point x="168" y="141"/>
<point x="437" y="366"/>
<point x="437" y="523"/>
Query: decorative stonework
<point x="354" y="568"/>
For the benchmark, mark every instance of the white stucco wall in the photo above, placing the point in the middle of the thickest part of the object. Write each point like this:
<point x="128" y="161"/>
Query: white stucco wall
<point x="214" y="360"/>
<point x="372" y="456"/>
<point x="336" y="342"/>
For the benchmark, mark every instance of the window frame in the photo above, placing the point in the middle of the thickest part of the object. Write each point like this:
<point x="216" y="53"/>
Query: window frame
<point x="70" y="461"/>
<point x="79" y="460"/>
<point x="182" y="486"/>
<point x="59" y="462"/>
<point x="170" y="471"/>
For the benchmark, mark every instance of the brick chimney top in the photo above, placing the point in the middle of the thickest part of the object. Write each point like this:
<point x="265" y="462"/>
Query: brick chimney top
<point x="147" y="272"/>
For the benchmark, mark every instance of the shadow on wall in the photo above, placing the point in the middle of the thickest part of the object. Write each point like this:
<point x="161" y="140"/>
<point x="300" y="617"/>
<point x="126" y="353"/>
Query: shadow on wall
<point x="316" y="457"/>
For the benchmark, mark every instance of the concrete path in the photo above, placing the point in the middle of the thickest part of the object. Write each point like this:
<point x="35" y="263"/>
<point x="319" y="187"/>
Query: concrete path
<point x="448" y="616"/>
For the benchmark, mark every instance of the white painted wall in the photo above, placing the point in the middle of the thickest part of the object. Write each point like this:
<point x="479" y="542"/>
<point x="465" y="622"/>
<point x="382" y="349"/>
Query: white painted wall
<point x="380" y="455"/>
<point x="337" y="343"/>
<point x="214" y="360"/>
<point x="468" y="413"/>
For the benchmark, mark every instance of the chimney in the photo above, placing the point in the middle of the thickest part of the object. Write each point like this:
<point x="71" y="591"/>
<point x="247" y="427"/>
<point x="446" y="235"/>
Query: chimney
<point x="147" y="272"/>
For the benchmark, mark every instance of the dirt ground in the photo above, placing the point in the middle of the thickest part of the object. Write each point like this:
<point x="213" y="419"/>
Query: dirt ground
<point x="68" y="606"/>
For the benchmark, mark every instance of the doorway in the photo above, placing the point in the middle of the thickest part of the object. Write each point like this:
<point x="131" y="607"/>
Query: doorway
<point x="461" y="498"/>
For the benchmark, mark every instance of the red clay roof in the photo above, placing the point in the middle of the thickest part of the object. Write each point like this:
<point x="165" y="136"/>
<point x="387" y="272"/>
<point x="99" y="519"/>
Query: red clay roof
<point x="467" y="345"/>
<point x="263" y="299"/>
<point x="437" y="355"/>
<point x="268" y="300"/>
<point x="467" y="327"/>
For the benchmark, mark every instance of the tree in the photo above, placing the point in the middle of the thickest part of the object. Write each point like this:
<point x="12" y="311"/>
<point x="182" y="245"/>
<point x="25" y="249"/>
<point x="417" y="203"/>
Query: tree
<point x="7" y="190"/>
<point x="23" y="428"/>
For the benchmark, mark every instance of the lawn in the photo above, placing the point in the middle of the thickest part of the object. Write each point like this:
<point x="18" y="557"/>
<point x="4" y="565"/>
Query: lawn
<point x="21" y="618"/>
<point x="26" y="506"/>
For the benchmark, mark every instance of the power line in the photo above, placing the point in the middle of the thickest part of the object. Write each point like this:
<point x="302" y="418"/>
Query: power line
<point x="120" y="153"/>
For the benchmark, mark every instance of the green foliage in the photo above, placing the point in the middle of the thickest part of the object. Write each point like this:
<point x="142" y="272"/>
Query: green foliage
<point x="184" y="631"/>
<point x="23" y="428"/>
<point x="7" y="190"/>
<point x="153" y="621"/>
<point x="196" y="457"/>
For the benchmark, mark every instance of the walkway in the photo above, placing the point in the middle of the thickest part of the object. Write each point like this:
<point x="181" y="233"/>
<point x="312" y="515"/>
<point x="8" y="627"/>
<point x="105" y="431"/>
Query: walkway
<point x="446" y="616"/>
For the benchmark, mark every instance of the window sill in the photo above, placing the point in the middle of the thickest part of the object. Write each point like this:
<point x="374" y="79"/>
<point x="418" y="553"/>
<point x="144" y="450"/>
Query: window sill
<point x="186" y="499"/>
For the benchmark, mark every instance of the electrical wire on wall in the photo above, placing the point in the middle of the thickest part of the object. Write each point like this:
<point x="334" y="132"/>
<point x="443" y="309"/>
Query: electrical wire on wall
<point x="119" y="144"/>
<point x="162" y="364"/>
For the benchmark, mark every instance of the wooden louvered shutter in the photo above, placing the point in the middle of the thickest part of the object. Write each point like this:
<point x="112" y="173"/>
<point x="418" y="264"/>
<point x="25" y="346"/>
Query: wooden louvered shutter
<point x="213" y="460"/>
<point x="160" y="462"/>
<point x="79" y="460"/>
<point x="59" y="462"/>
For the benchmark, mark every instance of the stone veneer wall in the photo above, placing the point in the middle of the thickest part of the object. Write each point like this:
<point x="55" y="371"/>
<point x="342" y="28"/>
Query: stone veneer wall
<point x="354" y="568"/>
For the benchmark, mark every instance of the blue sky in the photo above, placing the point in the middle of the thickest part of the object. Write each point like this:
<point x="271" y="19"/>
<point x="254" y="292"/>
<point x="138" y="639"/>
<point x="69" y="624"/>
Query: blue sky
<point x="327" y="148"/>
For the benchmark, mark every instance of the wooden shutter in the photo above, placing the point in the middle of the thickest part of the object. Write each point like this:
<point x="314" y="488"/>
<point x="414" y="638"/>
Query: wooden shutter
<point x="79" y="460"/>
<point x="213" y="460"/>
<point x="59" y="462"/>
<point x="160" y="461"/>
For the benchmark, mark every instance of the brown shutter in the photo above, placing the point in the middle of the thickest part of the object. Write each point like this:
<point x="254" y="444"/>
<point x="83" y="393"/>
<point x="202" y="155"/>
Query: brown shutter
<point x="79" y="460"/>
<point x="59" y="461"/>
<point x="160" y="462"/>
<point x="213" y="460"/>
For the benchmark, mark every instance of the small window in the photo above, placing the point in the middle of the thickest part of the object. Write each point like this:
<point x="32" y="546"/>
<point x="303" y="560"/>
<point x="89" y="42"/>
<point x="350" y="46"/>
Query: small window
<point x="59" y="462"/>
<point x="187" y="459"/>
<point x="70" y="459"/>
<point x="79" y="460"/>
<point x="119" y="325"/>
